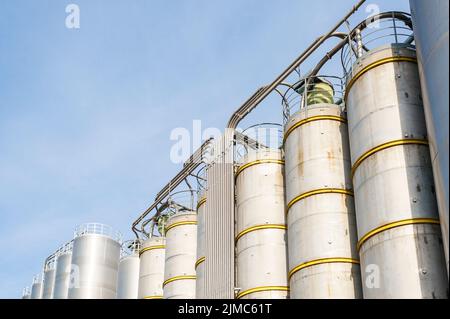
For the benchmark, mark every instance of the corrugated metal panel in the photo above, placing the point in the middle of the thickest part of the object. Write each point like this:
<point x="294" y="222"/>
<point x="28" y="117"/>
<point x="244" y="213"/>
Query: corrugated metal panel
<point x="219" y="221"/>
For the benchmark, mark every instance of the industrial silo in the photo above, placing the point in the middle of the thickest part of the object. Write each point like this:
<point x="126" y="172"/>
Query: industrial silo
<point x="323" y="261"/>
<point x="431" y="23"/>
<point x="201" y="257"/>
<point x="48" y="284"/>
<point x="26" y="293"/>
<point x="128" y="277"/>
<point x="400" y="242"/>
<point x="181" y="255"/>
<point x="261" y="256"/>
<point x="95" y="262"/>
<point x="151" y="269"/>
<point x="36" y="288"/>
<point x="62" y="275"/>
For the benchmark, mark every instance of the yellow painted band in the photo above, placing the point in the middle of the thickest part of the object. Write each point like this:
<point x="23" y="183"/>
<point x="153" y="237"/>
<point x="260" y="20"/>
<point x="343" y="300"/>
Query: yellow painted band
<point x="406" y="222"/>
<point x="261" y="289"/>
<point x="201" y="202"/>
<point x="385" y="146"/>
<point x="313" y="119"/>
<point x="259" y="162"/>
<point x="180" y="224"/>
<point x="151" y="248"/>
<point x="373" y="66"/>
<point x="168" y="281"/>
<point x="259" y="227"/>
<point x="153" y="297"/>
<point x="322" y="261"/>
<point x="319" y="192"/>
<point x="199" y="262"/>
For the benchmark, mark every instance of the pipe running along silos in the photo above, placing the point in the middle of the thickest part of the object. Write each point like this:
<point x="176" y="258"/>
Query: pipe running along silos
<point x="261" y="255"/>
<point x="48" y="284"/>
<point x="62" y="274"/>
<point x="323" y="261"/>
<point x="431" y="21"/>
<point x="181" y="256"/>
<point x="95" y="262"/>
<point x="151" y="269"/>
<point x="400" y="242"/>
<point x="36" y="287"/>
<point x="128" y="276"/>
<point x="201" y="251"/>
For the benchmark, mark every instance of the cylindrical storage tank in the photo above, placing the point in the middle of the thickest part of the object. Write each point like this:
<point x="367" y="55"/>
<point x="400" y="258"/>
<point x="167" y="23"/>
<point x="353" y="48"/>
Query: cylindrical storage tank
<point x="62" y="276"/>
<point x="128" y="278"/>
<point x="201" y="251"/>
<point x="323" y="261"/>
<point x="36" y="288"/>
<point x="26" y="293"/>
<point x="49" y="281"/>
<point x="181" y="255"/>
<point x="400" y="242"/>
<point x="261" y="255"/>
<point x="95" y="263"/>
<point x="431" y="20"/>
<point x="151" y="269"/>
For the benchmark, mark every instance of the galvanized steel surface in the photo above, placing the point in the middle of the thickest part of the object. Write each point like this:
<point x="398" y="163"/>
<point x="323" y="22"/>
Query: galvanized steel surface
<point x="62" y="276"/>
<point x="48" y="284"/>
<point x="128" y="277"/>
<point x="95" y="263"/>
<point x="219" y="221"/>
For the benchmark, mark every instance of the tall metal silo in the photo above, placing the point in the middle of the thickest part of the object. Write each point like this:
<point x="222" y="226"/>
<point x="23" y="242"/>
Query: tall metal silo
<point x="322" y="236"/>
<point x="431" y="25"/>
<point x="261" y="253"/>
<point x="128" y="277"/>
<point x="95" y="262"/>
<point x="26" y="293"/>
<point x="36" y="288"/>
<point x="201" y="257"/>
<point x="62" y="275"/>
<point x="181" y="256"/>
<point x="48" y="284"/>
<point x="400" y="242"/>
<point x="151" y="269"/>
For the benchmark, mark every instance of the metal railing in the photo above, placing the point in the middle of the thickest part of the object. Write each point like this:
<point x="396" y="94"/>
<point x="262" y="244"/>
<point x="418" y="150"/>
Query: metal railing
<point x="98" y="229"/>
<point x="256" y="137"/>
<point x="130" y="248"/>
<point x="386" y="28"/>
<point x="312" y="90"/>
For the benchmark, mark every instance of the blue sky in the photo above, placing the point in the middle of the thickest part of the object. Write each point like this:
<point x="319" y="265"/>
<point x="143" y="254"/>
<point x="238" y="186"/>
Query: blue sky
<point x="86" y="115"/>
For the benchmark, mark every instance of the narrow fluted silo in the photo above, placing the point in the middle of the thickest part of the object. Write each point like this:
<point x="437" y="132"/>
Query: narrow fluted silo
<point x="49" y="280"/>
